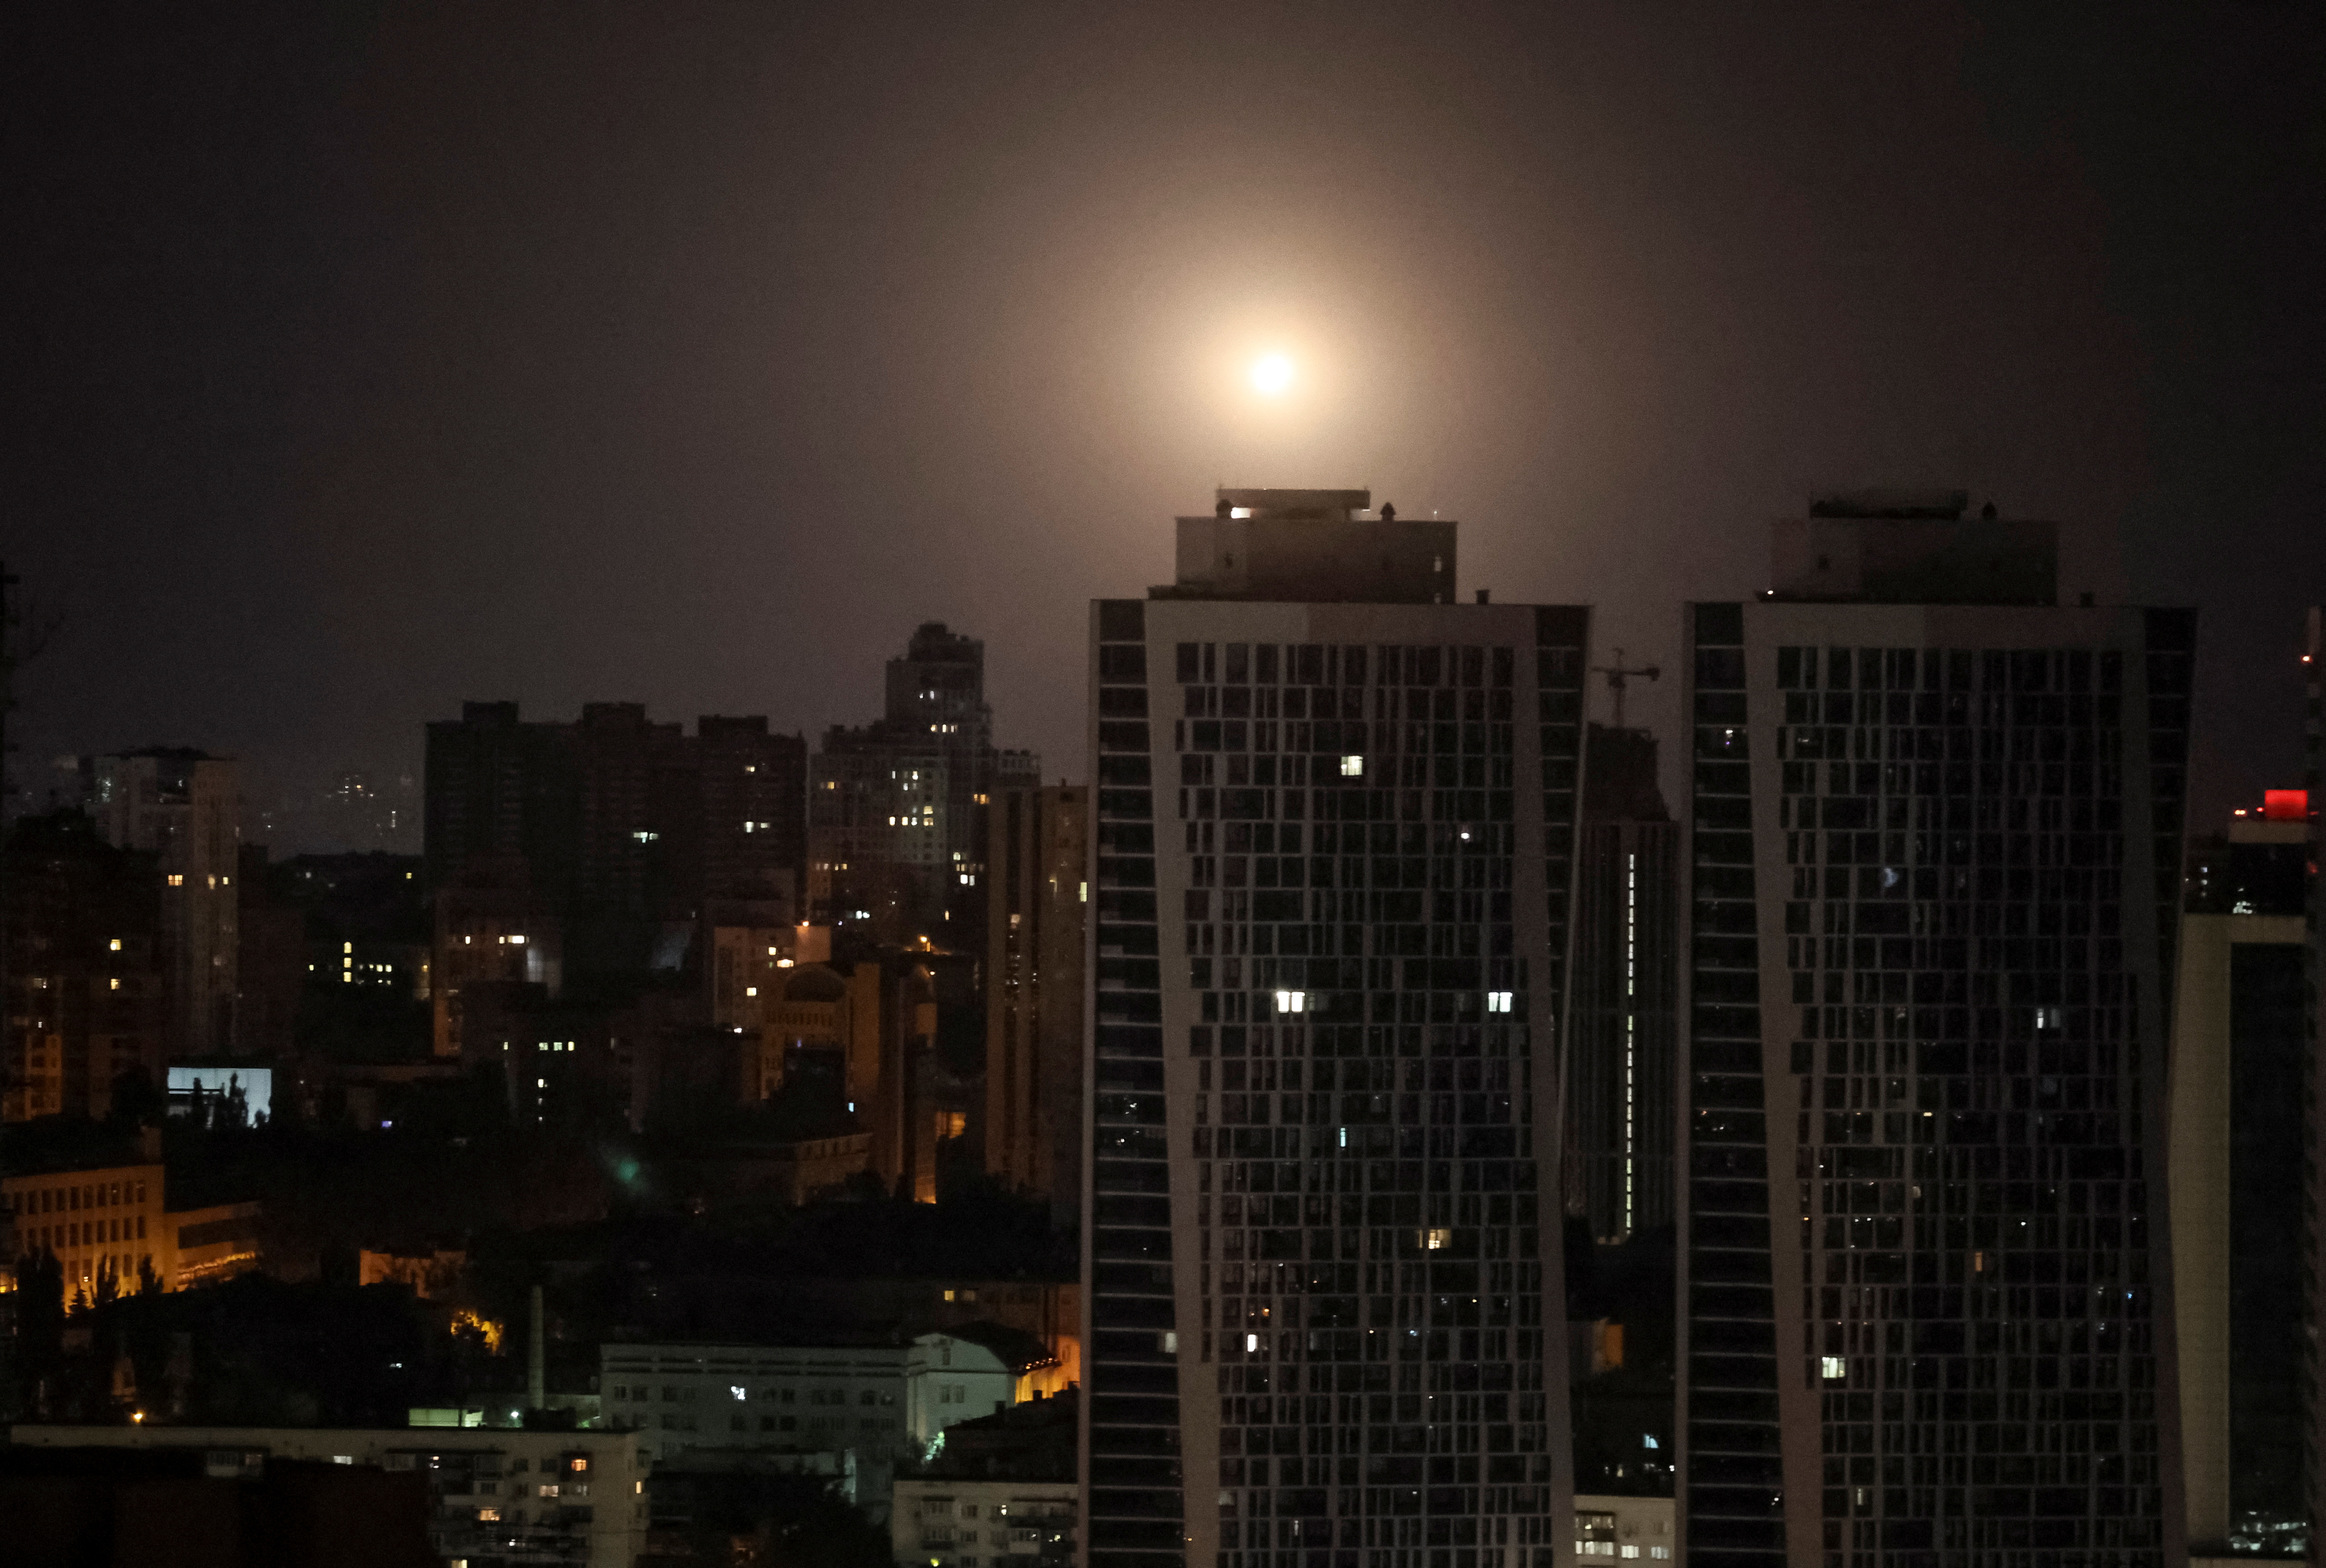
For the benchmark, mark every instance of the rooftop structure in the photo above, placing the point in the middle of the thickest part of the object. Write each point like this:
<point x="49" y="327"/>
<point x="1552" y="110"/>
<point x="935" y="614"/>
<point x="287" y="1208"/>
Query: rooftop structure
<point x="1311" y="547"/>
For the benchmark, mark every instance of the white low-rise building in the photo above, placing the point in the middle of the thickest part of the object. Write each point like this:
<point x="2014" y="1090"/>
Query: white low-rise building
<point x="983" y="1523"/>
<point x="1630" y="1529"/>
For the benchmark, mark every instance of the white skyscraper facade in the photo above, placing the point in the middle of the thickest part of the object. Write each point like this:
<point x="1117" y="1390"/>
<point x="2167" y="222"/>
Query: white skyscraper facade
<point x="1333" y="829"/>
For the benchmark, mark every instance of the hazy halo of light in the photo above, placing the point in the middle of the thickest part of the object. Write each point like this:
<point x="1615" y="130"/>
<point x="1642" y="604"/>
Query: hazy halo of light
<point x="1271" y="375"/>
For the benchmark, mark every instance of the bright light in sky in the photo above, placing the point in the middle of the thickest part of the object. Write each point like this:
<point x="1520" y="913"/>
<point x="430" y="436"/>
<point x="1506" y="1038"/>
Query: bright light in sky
<point x="1272" y="374"/>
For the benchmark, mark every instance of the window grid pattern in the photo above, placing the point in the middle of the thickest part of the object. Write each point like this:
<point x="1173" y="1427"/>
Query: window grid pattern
<point x="1735" y="1474"/>
<point x="1136" y="1509"/>
<point x="1371" y="1290"/>
<point x="1974" y="1208"/>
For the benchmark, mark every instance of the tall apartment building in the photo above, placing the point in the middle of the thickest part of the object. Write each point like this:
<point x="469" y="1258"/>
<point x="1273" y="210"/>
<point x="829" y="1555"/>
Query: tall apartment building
<point x="2239" y="1042"/>
<point x="878" y="831"/>
<point x="180" y="806"/>
<point x="86" y="976"/>
<point x="618" y="827"/>
<point x="897" y="809"/>
<point x="2313" y="1088"/>
<point x="1622" y="1111"/>
<point x="1935" y="826"/>
<point x="1332" y="863"/>
<point x="1039" y="883"/>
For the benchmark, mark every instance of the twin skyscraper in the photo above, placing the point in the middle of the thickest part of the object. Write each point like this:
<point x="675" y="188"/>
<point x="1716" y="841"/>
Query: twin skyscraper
<point x="1930" y="874"/>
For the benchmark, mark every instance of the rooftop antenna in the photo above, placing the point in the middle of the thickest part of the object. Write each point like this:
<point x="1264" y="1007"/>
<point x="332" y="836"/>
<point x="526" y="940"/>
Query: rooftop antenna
<point x="1617" y="673"/>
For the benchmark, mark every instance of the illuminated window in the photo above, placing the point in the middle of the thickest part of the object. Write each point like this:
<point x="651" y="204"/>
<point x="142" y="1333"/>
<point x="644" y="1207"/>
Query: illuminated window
<point x="1498" y="1001"/>
<point x="1834" y="1368"/>
<point x="1352" y="768"/>
<point x="176" y="880"/>
<point x="1436" y="1240"/>
<point x="115" y="945"/>
<point x="489" y="1515"/>
<point x="1251" y="1342"/>
<point x="1291" y="1001"/>
<point x="517" y="940"/>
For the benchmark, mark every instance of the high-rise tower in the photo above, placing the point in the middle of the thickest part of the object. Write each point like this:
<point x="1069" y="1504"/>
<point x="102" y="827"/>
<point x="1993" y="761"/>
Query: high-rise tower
<point x="1332" y="857"/>
<point x="1622" y="1115"/>
<point x="184" y="807"/>
<point x="1935" y="849"/>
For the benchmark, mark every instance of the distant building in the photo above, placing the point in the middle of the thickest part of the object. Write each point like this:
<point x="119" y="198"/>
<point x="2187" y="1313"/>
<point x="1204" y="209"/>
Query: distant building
<point x="494" y="1494"/>
<point x="2314" y="1083"/>
<point x="1623" y="1059"/>
<point x="1001" y="1490"/>
<point x="897" y="809"/>
<point x="172" y="1507"/>
<point x="87" y="977"/>
<point x="274" y="965"/>
<point x="1038" y="896"/>
<point x="181" y="807"/>
<point x="112" y="1223"/>
<point x="2239" y="1041"/>
<point x="828" y="1410"/>
<point x="618" y="826"/>
<point x="878" y="835"/>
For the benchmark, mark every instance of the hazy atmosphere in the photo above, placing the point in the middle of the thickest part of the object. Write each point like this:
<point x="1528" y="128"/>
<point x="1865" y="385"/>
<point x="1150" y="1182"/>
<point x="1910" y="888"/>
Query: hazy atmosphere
<point x="395" y="355"/>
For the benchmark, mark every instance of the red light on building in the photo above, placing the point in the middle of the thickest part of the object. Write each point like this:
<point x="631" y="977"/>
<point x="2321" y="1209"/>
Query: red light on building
<point x="2286" y="805"/>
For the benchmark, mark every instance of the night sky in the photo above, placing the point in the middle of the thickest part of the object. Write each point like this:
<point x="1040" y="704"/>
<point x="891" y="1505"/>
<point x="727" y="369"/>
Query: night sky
<point x="368" y="359"/>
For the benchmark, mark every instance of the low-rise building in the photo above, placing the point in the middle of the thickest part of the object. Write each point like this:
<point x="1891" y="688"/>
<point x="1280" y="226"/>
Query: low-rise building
<point x="495" y="1495"/>
<point x="1000" y="1490"/>
<point x="808" y="1399"/>
<point x="1629" y="1528"/>
<point x="111" y="1222"/>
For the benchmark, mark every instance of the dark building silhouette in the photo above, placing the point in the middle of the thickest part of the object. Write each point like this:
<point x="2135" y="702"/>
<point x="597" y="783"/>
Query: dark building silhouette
<point x="617" y="827"/>
<point x="1622" y="1116"/>
<point x="1333" y="862"/>
<point x="274" y="964"/>
<point x="87" y="977"/>
<point x="2239" y="1040"/>
<point x="897" y="810"/>
<point x="1037" y="875"/>
<point x="1935" y="867"/>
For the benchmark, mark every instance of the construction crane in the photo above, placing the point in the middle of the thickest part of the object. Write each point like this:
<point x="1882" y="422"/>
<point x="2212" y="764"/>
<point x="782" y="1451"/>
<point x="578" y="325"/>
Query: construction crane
<point x="1617" y="673"/>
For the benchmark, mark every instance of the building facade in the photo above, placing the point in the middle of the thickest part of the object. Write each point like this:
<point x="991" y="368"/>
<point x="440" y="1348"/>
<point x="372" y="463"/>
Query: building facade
<point x="495" y="1495"/>
<point x="87" y="975"/>
<point x="2238" y="1040"/>
<point x="181" y="807"/>
<point x="618" y="826"/>
<point x="1037" y="880"/>
<point x="1935" y="827"/>
<point x="1332" y="865"/>
<point x="1621" y="1108"/>
<point x="110" y="1226"/>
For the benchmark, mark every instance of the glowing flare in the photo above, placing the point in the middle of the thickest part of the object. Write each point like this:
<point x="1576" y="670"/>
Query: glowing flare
<point x="1272" y="374"/>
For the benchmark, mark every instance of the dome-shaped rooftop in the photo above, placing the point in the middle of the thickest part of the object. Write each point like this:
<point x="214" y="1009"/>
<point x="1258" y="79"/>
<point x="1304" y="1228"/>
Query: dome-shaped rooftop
<point x="815" y="983"/>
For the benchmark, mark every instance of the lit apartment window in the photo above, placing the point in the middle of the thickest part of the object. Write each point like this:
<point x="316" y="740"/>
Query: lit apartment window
<point x="115" y="945"/>
<point x="1291" y="1001"/>
<point x="517" y="940"/>
<point x="1352" y="768"/>
<point x="1498" y="1001"/>
<point x="1436" y="1240"/>
<point x="176" y="880"/>
<point x="1834" y="1368"/>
